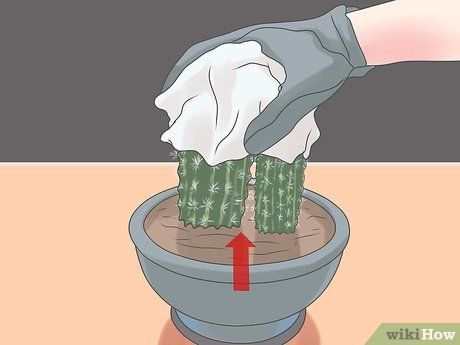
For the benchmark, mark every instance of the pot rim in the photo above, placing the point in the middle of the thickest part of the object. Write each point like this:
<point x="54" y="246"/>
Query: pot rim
<point x="223" y="273"/>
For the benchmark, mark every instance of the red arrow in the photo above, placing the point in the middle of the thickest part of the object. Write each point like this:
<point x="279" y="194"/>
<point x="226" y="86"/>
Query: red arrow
<point x="240" y="246"/>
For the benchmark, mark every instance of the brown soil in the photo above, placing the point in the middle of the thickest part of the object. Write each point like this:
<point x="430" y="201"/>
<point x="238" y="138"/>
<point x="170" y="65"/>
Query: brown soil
<point x="314" y="230"/>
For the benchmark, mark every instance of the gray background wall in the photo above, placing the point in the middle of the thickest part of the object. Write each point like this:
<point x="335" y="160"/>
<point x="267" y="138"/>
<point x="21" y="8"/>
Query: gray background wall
<point x="78" y="79"/>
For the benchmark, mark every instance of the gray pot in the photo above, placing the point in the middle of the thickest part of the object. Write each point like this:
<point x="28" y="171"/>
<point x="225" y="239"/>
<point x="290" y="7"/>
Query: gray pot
<point x="207" y="310"/>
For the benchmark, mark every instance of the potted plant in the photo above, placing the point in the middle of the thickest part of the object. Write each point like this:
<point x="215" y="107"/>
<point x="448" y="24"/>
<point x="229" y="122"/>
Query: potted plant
<point x="181" y="237"/>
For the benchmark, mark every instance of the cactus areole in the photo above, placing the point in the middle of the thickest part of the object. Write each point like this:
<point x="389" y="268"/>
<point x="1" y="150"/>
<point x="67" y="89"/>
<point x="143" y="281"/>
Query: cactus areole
<point x="214" y="196"/>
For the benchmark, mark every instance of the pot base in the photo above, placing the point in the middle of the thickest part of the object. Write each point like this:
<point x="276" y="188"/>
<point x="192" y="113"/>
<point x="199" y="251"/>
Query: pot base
<point x="204" y="333"/>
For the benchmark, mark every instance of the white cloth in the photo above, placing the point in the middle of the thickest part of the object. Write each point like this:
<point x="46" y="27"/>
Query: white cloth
<point x="214" y="99"/>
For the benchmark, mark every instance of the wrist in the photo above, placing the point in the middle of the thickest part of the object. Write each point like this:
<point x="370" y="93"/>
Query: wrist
<point x="401" y="31"/>
<point x="378" y="36"/>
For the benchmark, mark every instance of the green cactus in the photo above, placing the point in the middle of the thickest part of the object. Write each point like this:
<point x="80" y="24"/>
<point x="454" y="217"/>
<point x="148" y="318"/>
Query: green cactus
<point x="278" y="193"/>
<point x="212" y="195"/>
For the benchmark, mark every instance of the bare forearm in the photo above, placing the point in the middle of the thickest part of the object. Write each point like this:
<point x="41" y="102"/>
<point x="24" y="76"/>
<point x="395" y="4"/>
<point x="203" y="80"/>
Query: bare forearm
<point x="409" y="30"/>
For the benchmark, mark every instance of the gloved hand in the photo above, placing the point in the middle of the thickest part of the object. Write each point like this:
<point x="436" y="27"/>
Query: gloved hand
<point x="318" y="55"/>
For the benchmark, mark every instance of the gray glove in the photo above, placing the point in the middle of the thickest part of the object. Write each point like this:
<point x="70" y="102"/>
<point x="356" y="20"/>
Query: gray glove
<point x="318" y="55"/>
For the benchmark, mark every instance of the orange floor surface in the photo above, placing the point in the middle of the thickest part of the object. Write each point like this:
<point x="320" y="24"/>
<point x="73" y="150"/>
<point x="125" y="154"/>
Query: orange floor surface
<point x="69" y="272"/>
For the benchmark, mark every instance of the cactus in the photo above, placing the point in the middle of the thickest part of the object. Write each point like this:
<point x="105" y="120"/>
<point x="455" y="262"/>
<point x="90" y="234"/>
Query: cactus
<point x="278" y="194"/>
<point x="212" y="195"/>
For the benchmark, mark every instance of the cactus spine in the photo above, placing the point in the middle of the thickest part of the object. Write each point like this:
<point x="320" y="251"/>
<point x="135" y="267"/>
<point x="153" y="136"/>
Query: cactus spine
<point x="212" y="195"/>
<point x="278" y="194"/>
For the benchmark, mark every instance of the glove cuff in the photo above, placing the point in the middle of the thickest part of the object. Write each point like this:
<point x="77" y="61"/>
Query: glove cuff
<point x="344" y="28"/>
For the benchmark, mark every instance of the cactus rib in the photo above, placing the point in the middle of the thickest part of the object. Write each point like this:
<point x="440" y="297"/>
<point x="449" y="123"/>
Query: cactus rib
<point x="278" y="194"/>
<point x="212" y="195"/>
